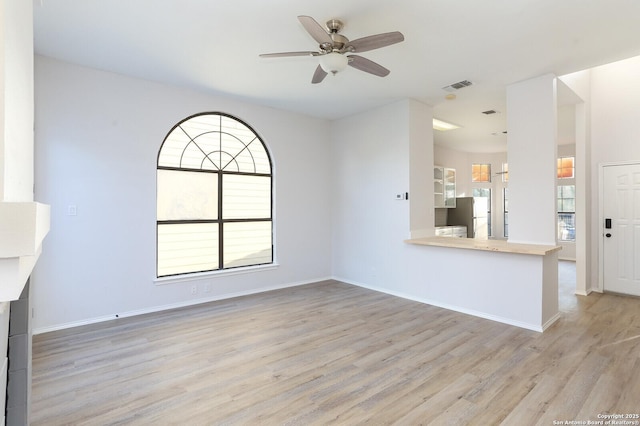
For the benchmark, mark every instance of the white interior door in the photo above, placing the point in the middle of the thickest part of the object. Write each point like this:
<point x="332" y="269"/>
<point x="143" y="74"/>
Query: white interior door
<point x="621" y="228"/>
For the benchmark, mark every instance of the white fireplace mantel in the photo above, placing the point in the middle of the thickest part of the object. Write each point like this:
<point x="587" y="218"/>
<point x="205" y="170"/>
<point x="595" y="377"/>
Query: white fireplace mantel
<point x="23" y="226"/>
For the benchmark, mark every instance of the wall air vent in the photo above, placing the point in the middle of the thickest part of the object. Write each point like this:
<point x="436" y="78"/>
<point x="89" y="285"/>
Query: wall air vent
<point x="457" y="86"/>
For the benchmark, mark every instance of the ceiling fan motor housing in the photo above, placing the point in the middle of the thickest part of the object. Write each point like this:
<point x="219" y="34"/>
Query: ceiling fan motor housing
<point x="339" y="42"/>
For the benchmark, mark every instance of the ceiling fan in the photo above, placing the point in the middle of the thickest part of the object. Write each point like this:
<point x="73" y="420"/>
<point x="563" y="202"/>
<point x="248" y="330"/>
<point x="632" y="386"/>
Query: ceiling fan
<point x="336" y="51"/>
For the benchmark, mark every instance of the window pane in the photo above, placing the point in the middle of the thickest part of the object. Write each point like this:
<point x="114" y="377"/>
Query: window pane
<point x="569" y="191"/>
<point x="566" y="198"/>
<point x="247" y="243"/>
<point x="231" y="146"/>
<point x="475" y="172"/>
<point x="249" y="153"/>
<point x="246" y="197"/>
<point x="237" y="129"/>
<point x="482" y="197"/>
<point x="481" y="173"/>
<point x="481" y="192"/>
<point x="569" y="205"/>
<point x="204" y="151"/>
<point x="260" y="157"/>
<point x="189" y="247"/>
<point x="505" y="172"/>
<point x="197" y="155"/>
<point x="201" y="124"/>
<point x="184" y="195"/>
<point x="567" y="227"/>
<point x="565" y="167"/>
<point x="505" y="194"/>
<point x="173" y="148"/>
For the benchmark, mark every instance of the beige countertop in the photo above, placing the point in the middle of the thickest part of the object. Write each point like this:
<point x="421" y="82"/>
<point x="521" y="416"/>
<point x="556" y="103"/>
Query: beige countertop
<point x="485" y="245"/>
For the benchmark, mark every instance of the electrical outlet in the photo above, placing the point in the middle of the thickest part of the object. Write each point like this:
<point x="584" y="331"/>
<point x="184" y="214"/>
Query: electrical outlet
<point x="194" y="289"/>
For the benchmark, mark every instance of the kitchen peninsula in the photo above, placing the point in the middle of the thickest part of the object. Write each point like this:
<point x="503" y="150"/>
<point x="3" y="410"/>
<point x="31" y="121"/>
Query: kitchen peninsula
<point x="513" y="283"/>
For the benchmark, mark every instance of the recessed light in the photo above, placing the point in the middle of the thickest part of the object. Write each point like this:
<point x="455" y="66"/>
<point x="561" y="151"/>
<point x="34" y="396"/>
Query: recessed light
<point x="450" y="96"/>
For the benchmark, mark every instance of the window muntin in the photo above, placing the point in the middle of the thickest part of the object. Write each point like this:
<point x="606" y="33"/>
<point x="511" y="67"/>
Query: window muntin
<point x="481" y="173"/>
<point x="214" y="197"/>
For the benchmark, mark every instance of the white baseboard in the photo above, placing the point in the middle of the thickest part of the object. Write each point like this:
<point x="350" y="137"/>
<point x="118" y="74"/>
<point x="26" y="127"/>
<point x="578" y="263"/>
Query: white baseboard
<point x="551" y="321"/>
<point x="455" y="308"/>
<point x="152" y="309"/>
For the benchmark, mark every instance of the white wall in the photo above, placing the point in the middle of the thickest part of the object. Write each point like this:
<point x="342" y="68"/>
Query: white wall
<point x="97" y="139"/>
<point x="615" y="130"/>
<point x="615" y="99"/>
<point x="371" y="165"/>
<point x="16" y="101"/>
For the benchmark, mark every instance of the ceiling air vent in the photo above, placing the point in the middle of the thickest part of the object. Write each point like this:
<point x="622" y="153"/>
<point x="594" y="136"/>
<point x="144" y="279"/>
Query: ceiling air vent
<point x="457" y="86"/>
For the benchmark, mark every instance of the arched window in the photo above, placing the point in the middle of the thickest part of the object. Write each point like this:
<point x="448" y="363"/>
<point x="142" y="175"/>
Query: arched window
<point x="214" y="204"/>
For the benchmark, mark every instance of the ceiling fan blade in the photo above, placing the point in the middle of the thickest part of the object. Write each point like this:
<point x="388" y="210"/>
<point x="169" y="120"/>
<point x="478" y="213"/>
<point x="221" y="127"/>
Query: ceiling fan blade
<point x="366" y="65"/>
<point x="286" y="54"/>
<point x="376" y="41"/>
<point x="318" y="75"/>
<point x="314" y="29"/>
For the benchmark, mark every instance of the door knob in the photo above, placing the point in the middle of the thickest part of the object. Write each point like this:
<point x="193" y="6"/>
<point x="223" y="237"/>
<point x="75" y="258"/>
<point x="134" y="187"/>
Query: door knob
<point x="608" y="235"/>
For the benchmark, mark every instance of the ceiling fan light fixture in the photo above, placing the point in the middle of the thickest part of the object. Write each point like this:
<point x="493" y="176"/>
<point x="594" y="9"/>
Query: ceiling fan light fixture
<point x="333" y="62"/>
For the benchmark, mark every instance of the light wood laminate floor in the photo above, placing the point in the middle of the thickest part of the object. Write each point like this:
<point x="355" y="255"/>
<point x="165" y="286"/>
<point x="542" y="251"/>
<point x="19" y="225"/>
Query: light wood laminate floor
<point x="331" y="353"/>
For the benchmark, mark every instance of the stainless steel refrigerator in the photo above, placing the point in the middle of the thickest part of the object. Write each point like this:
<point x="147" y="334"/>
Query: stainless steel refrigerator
<point x="472" y="213"/>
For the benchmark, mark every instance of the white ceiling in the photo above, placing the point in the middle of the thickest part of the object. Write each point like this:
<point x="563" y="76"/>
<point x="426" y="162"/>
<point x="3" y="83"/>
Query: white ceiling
<point x="213" y="46"/>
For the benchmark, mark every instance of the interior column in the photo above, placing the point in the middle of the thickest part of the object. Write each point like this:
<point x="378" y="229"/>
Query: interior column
<point x="532" y="155"/>
<point x="532" y="131"/>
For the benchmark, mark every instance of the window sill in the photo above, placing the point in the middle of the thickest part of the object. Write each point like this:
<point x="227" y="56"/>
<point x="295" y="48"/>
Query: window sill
<point x="214" y="274"/>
